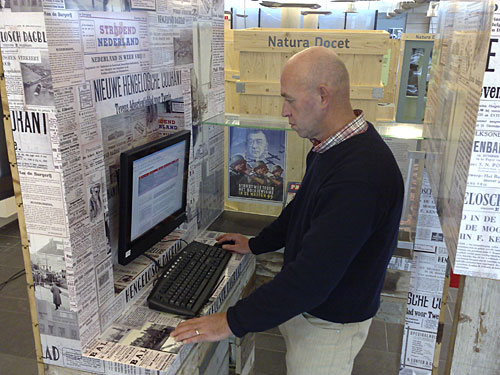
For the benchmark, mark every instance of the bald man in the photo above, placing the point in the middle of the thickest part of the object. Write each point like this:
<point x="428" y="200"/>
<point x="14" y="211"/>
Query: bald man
<point x="339" y="232"/>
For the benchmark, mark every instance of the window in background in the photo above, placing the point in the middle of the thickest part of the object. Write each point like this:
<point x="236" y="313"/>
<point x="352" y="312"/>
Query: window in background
<point x="270" y="17"/>
<point x="361" y="20"/>
<point x="333" y="21"/>
<point x="396" y="22"/>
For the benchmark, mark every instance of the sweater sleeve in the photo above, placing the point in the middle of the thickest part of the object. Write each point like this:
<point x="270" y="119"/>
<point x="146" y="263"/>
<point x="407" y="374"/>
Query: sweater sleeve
<point x="344" y="217"/>
<point x="273" y="236"/>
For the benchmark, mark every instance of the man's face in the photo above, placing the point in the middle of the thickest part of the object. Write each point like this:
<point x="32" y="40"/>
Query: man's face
<point x="242" y="167"/>
<point x="261" y="170"/>
<point x="300" y="105"/>
<point x="256" y="145"/>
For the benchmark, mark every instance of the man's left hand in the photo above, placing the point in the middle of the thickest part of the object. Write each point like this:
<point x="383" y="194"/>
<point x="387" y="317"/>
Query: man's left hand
<point x="207" y="328"/>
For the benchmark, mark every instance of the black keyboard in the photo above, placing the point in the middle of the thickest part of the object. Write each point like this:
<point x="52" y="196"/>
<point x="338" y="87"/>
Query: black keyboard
<point x="189" y="279"/>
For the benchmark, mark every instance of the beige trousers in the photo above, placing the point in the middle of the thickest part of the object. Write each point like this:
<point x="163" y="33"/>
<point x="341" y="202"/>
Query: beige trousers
<point x="317" y="347"/>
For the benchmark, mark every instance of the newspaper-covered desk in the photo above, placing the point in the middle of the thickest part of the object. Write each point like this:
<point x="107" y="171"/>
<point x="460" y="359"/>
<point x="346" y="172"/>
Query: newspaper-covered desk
<point x="141" y="336"/>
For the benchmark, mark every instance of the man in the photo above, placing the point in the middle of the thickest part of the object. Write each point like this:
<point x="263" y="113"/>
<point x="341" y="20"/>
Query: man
<point x="238" y="174"/>
<point x="256" y="147"/>
<point x="277" y="182"/>
<point x="339" y="231"/>
<point x="259" y="173"/>
<point x="56" y="295"/>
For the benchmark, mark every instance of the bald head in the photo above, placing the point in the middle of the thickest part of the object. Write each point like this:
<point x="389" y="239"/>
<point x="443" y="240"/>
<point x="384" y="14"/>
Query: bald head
<point x="315" y="88"/>
<point x="320" y="66"/>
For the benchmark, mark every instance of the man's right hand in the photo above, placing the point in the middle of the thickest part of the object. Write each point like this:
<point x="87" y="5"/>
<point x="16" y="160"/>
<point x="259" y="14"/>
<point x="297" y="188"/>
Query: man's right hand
<point x="240" y="243"/>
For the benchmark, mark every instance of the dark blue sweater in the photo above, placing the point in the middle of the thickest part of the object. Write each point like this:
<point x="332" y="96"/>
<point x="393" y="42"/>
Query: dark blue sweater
<point x="339" y="233"/>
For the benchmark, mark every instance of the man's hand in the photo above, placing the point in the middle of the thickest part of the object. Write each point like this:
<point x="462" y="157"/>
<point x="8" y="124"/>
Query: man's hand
<point x="205" y="329"/>
<point x="240" y="243"/>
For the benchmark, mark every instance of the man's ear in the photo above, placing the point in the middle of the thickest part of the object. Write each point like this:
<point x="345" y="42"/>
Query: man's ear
<point x="324" y="94"/>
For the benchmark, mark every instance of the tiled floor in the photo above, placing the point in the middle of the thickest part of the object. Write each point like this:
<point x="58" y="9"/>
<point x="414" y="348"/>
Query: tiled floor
<point x="17" y="347"/>
<point x="379" y="356"/>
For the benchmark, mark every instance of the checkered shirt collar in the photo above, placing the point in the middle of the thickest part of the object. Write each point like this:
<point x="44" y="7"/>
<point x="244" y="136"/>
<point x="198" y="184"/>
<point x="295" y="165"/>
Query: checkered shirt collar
<point x="356" y="126"/>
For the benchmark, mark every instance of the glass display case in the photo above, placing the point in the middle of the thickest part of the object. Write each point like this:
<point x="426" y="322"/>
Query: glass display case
<point x="289" y="152"/>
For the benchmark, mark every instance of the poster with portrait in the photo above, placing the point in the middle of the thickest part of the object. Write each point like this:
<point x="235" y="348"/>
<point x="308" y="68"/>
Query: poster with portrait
<point x="256" y="164"/>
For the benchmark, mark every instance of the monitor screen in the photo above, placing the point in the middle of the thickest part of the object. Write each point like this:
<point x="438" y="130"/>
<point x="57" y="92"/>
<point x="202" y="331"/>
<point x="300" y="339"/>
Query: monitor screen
<point x="153" y="189"/>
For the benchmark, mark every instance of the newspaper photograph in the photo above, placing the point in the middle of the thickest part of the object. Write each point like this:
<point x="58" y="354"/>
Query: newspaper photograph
<point x="170" y="40"/>
<point x="25" y="57"/>
<point x="256" y="164"/>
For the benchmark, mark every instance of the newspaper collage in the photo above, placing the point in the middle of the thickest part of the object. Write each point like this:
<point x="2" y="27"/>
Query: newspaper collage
<point x="478" y="249"/>
<point x="460" y="165"/>
<point x="85" y="81"/>
<point x="141" y="336"/>
<point x="428" y="269"/>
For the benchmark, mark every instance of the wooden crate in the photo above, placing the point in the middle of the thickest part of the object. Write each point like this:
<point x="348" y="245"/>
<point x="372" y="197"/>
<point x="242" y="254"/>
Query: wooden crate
<point x="231" y="73"/>
<point x="394" y="53"/>
<point x="263" y="52"/>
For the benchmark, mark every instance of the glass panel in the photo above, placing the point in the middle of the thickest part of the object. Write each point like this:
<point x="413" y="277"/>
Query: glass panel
<point x="270" y="18"/>
<point x="362" y="20"/>
<point x="415" y="71"/>
<point x="334" y="21"/>
<point x="428" y="75"/>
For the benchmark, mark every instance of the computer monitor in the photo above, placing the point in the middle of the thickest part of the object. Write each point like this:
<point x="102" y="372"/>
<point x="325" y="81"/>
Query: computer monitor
<point x="153" y="190"/>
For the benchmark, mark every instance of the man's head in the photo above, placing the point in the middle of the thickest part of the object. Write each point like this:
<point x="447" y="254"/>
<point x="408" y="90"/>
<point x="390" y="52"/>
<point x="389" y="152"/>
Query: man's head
<point x="238" y="163"/>
<point x="277" y="170"/>
<point x="260" y="167"/>
<point x="256" y="144"/>
<point x="315" y="88"/>
<point x="95" y="190"/>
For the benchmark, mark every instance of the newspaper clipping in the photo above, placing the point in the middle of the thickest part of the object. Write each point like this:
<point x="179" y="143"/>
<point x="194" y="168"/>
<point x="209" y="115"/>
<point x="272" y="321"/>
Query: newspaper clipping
<point x="478" y="250"/>
<point x="428" y="270"/>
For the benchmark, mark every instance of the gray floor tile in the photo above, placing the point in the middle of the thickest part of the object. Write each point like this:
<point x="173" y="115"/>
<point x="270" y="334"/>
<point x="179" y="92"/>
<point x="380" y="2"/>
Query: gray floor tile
<point x="376" y="362"/>
<point x="15" y="288"/>
<point x="8" y="241"/>
<point x="14" y="305"/>
<point x="11" y="229"/>
<point x="377" y="338"/>
<point x="17" y="328"/>
<point x="14" y="365"/>
<point x="269" y="362"/>
<point x="445" y="343"/>
<point x="270" y="342"/>
<point x="392" y="310"/>
<point x="394" y="337"/>
<point x="12" y="256"/>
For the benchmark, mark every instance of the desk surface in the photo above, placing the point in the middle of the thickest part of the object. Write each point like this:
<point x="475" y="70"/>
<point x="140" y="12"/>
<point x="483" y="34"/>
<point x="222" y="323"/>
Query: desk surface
<point x="240" y="222"/>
